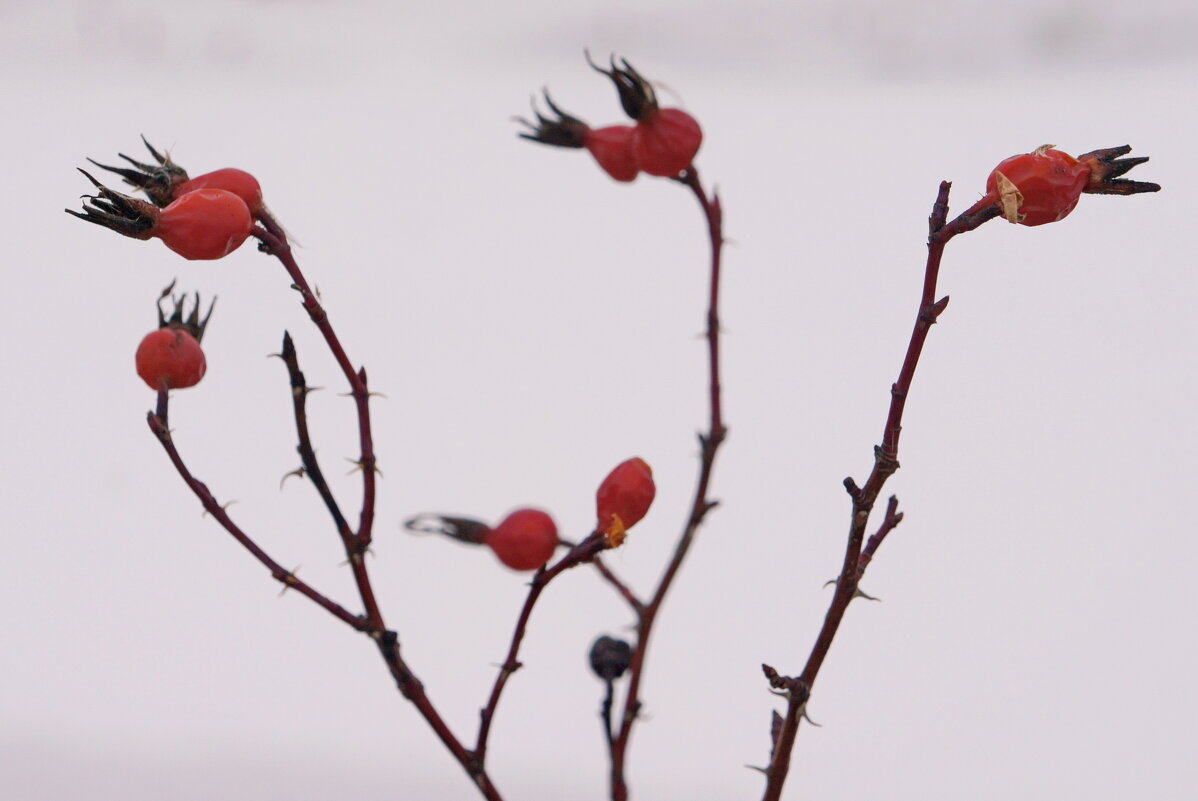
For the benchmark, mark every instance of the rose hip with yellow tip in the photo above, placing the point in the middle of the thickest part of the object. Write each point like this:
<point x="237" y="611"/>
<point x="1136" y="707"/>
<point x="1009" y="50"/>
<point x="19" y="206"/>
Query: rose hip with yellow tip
<point x="624" y="498"/>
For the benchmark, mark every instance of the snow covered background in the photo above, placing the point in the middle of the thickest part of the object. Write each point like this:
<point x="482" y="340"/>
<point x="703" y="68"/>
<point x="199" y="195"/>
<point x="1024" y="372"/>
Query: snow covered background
<point x="533" y="323"/>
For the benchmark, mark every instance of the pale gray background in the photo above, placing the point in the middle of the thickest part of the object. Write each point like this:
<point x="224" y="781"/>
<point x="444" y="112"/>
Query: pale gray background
<point x="533" y="323"/>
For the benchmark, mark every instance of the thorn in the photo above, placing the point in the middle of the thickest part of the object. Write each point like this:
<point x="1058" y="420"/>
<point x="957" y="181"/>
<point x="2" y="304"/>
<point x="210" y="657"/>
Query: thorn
<point x="803" y="714"/>
<point x="297" y="472"/>
<point x="289" y="580"/>
<point x="225" y="507"/>
<point x="358" y="465"/>
<point x="762" y="771"/>
<point x="859" y="593"/>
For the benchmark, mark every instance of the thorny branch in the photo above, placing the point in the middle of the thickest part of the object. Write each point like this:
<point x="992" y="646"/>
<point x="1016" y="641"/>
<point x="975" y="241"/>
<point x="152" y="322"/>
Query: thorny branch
<point x="584" y="551"/>
<point x="310" y="467"/>
<point x="700" y="506"/>
<point x="158" y="424"/>
<point x="798" y="689"/>
<point x="356" y="544"/>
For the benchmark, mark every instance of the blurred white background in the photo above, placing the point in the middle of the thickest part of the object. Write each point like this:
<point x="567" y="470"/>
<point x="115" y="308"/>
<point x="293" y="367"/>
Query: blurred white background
<point x="533" y="323"/>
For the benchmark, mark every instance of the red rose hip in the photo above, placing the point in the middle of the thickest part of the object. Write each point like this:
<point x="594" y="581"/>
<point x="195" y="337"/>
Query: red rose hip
<point x="612" y="148"/>
<point x="1038" y="187"/>
<point x="665" y="141"/>
<point x="230" y="179"/>
<point x="624" y="498"/>
<point x="204" y="224"/>
<point x="525" y="540"/>
<point x="170" y="358"/>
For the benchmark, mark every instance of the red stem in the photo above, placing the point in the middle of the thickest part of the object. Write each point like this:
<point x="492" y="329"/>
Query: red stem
<point x="700" y="506"/>
<point x="584" y="551"/>
<point x="274" y="238"/>
<point x="885" y="464"/>
<point x="158" y="424"/>
<point x="625" y="592"/>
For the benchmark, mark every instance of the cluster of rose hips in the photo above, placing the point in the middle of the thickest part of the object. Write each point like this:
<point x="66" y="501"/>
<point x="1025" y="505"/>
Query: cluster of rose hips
<point x="527" y="538"/>
<point x="1045" y="185"/>
<point x="662" y="142"/>
<point x="206" y="217"/>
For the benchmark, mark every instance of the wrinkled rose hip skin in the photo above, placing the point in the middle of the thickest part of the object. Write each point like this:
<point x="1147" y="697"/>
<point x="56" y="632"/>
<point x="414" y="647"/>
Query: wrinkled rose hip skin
<point x="624" y="498"/>
<point x="1040" y="187"/>
<point x="525" y="539"/>
<point x="170" y="358"/>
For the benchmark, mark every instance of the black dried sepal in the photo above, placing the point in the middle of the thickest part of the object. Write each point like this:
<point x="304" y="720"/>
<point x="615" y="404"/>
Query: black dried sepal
<point x="191" y="322"/>
<point x="1107" y="166"/>
<point x="462" y="529"/>
<point x="115" y="211"/>
<point x="636" y="93"/>
<point x="564" y="131"/>
<point x="158" y="181"/>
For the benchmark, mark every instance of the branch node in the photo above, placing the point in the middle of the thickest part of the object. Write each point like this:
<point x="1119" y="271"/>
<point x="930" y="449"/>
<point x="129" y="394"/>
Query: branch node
<point x="887" y="463"/>
<point x="851" y="487"/>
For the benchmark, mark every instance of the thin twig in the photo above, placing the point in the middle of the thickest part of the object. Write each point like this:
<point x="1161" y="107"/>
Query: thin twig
<point x="605" y="712"/>
<point x="158" y="424"/>
<point x="625" y="592"/>
<point x="311" y="467"/>
<point x="356" y="544"/>
<point x="891" y="519"/>
<point x="885" y="464"/>
<point x="584" y="551"/>
<point x="274" y="240"/>
<point x="700" y="506"/>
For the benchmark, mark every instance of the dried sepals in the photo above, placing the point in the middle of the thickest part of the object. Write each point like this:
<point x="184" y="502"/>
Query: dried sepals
<point x="118" y="212"/>
<point x="636" y="93"/>
<point x="191" y="323"/>
<point x="561" y="130"/>
<point x="1106" y="167"/>
<point x="462" y="529"/>
<point x="159" y="181"/>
